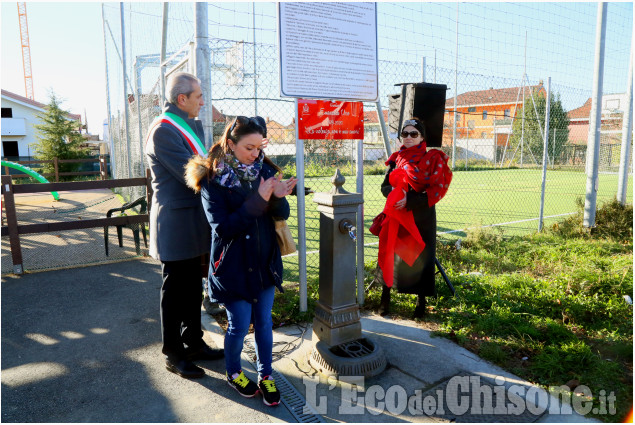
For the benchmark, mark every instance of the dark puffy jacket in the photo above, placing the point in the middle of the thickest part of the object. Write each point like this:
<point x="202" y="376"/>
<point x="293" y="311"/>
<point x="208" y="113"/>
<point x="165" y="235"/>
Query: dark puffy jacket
<point x="245" y="256"/>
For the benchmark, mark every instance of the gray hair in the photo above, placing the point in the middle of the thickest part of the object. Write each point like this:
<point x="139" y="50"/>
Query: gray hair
<point x="180" y="83"/>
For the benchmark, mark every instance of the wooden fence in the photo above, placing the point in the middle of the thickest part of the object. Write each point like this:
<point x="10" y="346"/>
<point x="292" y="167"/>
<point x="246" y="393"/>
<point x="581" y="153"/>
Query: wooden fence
<point x="103" y="168"/>
<point x="14" y="230"/>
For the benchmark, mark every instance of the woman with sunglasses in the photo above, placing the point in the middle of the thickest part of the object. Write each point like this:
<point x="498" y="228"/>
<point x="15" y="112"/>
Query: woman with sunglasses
<point x="416" y="179"/>
<point x="241" y="195"/>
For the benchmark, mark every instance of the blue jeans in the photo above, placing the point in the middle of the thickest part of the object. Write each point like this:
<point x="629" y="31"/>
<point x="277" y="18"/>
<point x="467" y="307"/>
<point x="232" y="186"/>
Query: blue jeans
<point x="239" y="316"/>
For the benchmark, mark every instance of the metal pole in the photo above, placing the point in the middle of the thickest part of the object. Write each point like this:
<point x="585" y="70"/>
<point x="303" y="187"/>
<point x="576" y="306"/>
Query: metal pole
<point x="495" y="141"/>
<point x="299" y="168"/>
<point x="384" y="132"/>
<point x="456" y="67"/>
<point x="203" y="69"/>
<point x="522" y="134"/>
<point x="360" y="223"/>
<point x="595" y="121"/>
<point x="137" y="73"/>
<point x="467" y="146"/>
<point x="112" y="150"/>
<point x="627" y="127"/>
<point x="544" y="158"/>
<point x="423" y="69"/>
<point x="164" y="43"/>
<point x="553" y="150"/>
<point x="253" y="10"/>
<point x="125" y="85"/>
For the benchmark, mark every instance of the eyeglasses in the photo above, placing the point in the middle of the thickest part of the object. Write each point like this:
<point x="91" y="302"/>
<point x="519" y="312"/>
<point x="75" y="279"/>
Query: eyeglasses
<point x="413" y="134"/>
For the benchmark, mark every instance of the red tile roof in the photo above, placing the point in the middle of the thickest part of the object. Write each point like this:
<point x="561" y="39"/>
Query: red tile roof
<point x="371" y="117"/>
<point x="582" y="112"/>
<point x="492" y="96"/>
<point x="76" y="117"/>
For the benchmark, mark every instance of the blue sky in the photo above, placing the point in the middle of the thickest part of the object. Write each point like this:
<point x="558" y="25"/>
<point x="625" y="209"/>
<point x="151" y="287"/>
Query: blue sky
<point x="67" y="55"/>
<point x="67" y="43"/>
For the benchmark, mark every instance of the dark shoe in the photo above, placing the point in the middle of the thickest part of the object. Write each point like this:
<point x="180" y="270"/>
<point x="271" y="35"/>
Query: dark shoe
<point x="184" y="368"/>
<point x="420" y="307"/>
<point x="206" y="353"/>
<point x="384" y="304"/>
<point x="245" y="386"/>
<point x="270" y="394"/>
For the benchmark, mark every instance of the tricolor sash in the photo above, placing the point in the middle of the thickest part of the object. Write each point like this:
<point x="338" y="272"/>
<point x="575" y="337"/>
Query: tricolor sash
<point x="184" y="128"/>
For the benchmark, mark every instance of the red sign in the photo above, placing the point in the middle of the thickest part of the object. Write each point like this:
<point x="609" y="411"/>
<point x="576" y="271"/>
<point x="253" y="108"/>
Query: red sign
<point x="326" y="119"/>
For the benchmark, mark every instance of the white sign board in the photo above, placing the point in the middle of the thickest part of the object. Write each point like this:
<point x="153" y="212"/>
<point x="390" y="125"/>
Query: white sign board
<point x="328" y="50"/>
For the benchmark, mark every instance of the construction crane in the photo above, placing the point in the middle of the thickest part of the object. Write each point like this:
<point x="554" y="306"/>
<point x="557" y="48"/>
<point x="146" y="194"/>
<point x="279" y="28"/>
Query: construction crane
<point x="26" y="50"/>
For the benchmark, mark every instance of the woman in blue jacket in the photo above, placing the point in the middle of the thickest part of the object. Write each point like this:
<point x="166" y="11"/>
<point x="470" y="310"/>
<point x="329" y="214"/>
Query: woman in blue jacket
<point x="242" y="195"/>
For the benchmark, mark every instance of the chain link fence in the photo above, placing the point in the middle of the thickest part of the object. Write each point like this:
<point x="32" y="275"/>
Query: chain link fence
<point x="496" y="149"/>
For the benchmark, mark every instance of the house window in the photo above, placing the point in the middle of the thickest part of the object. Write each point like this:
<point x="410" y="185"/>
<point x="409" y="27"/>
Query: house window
<point x="471" y="109"/>
<point x="484" y="115"/>
<point x="10" y="149"/>
<point x="7" y="113"/>
<point x="506" y="114"/>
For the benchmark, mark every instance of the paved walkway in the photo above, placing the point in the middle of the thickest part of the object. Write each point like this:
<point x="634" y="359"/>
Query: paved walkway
<point x="83" y="345"/>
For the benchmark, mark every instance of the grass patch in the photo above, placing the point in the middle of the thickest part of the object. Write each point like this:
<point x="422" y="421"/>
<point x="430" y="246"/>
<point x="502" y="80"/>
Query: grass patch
<point x="548" y="307"/>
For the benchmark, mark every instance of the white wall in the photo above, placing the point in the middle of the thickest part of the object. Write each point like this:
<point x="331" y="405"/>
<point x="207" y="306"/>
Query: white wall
<point x="477" y="148"/>
<point x="29" y="114"/>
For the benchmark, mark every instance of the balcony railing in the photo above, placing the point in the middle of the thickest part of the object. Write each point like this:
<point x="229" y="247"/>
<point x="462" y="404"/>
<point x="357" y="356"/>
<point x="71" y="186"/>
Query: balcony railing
<point x="13" y="127"/>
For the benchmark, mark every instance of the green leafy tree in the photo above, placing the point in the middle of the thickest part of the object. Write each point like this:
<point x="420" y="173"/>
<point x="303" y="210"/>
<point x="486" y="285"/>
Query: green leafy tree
<point x="58" y="138"/>
<point x="535" y="127"/>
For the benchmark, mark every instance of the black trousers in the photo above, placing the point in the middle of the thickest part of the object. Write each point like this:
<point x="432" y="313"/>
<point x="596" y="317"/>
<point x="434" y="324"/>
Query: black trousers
<point x="181" y="298"/>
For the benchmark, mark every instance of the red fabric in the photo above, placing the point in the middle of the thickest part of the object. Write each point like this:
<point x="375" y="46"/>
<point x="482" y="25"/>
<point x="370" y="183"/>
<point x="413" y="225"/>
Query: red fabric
<point x="426" y="170"/>
<point x="420" y="170"/>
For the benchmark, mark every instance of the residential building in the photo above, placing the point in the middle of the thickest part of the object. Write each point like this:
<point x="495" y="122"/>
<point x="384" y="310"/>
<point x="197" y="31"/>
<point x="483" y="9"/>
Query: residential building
<point x="19" y="117"/>
<point x="486" y="114"/>
<point x="611" y="129"/>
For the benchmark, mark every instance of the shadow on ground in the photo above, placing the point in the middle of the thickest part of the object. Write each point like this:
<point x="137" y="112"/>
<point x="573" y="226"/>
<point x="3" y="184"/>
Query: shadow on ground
<point x="83" y="345"/>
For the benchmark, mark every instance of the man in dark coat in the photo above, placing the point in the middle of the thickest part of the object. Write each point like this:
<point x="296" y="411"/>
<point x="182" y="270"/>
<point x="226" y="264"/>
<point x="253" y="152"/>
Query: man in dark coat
<point x="179" y="232"/>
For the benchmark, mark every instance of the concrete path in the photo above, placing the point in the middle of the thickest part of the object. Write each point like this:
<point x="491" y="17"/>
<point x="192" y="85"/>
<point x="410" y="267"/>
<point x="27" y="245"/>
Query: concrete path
<point x="83" y="345"/>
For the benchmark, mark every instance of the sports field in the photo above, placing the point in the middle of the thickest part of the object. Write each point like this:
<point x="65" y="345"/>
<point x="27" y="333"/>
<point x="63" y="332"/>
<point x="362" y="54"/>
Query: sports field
<point x="508" y="199"/>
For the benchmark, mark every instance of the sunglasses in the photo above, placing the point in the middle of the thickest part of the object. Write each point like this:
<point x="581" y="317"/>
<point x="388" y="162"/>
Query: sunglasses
<point x="243" y="120"/>
<point x="413" y="134"/>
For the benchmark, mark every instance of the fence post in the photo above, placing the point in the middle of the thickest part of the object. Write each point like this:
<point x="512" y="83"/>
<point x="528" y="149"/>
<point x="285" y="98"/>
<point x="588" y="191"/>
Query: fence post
<point x="456" y="83"/>
<point x="595" y="122"/>
<point x="627" y="127"/>
<point x="203" y="69"/>
<point x="57" y="169"/>
<point x="545" y="157"/>
<point x="384" y="132"/>
<point x="299" y="167"/>
<point x="12" y="224"/>
<point x="125" y="87"/>
<point x="149" y="192"/>
<point x="360" y="223"/>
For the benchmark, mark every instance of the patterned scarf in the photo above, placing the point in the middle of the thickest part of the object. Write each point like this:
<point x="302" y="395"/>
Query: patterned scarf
<point x="231" y="171"/>
<point x="425" y="170"/>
